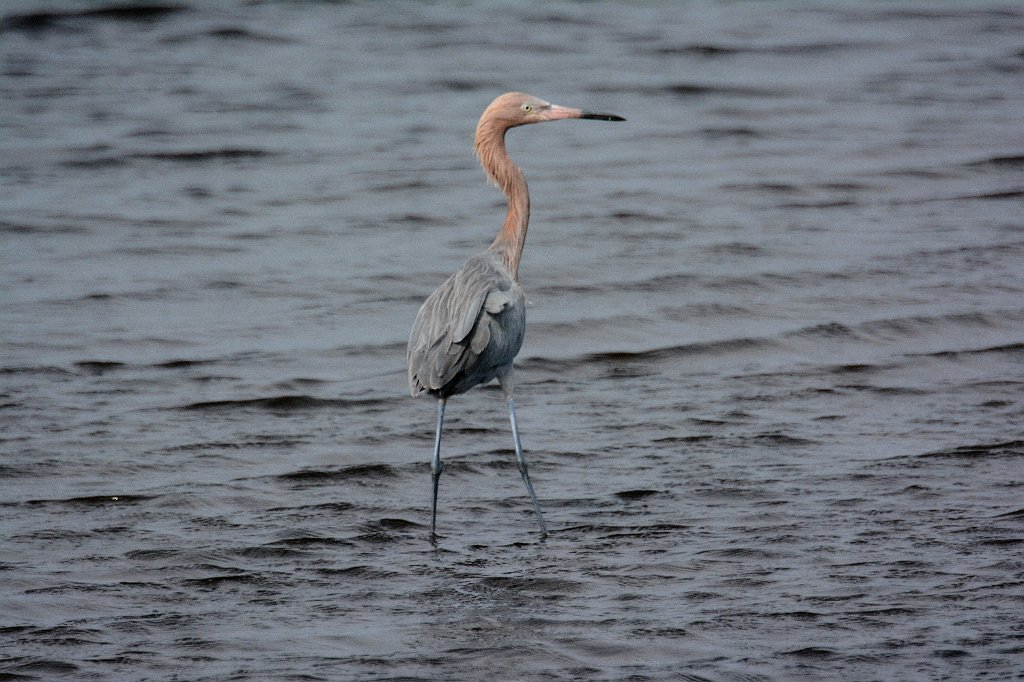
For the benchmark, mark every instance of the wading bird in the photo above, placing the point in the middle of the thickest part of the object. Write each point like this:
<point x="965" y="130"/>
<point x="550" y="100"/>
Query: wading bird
<point x="469" y="330"/>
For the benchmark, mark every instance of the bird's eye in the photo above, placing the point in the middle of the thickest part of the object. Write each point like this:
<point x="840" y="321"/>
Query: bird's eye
<point x="527" y="108"/>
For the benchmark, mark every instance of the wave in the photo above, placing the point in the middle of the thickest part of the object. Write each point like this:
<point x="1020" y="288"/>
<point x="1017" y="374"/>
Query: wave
<point x="83" y="501"/>
<point x="911" y="326"/>
<point x="283" y="403"/>
<point x="722" y="133"/>
<point x="357" y="472"/>
<point x="893" y="391"/>
<point x="692" y="90"/>
<point x="225" y="579"/>
<point x="1008" y="348"/>
<point x="645" y="218"/>
<point x="768" y="187"/>
<point x="885" y="331"/>
<point x="56" y="19"/>
<point x="386" y="530"/>
<point x="957" y="13"/>
<point x="102" y="367"/>
<point x="964" y="455"/>
<point x="36" y="369"/>
<point x="232" y="33"/>
<point x="57" y="229"/>
<point x="650" y="355"/>
<point x="358" y="572"/>
<point x="236" y="445"/>
<point x="193" y="156"/>
<point x="1012" y="161"/>
<point x="465" y="85"/>
<point x="781" y="440"/>
<point x="710" y="50"/>
<point x="1004" y="449"/>
<point x="307" y="541"/>
<point x="610" y="531"/>
<point x="997" y="195"/>
<point x="98" y="367"/>
<point x="636" y="494"/>
<point x="825" y="203"/>
<point x="180" y="364"/>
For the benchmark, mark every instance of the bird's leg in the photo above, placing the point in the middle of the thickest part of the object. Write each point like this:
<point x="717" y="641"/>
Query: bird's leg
<point x="521" y="460"/>
<point x="506" y="387"/>
<point x="436" y="467"/>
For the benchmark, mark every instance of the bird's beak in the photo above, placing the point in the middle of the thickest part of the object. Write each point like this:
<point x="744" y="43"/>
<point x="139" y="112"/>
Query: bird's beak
<point x="600" y="117"/>
<point x="556" y="113"/>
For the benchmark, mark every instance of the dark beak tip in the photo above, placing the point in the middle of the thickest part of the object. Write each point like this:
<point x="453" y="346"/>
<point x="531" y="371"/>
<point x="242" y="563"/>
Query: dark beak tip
<point x="601" y="117"/>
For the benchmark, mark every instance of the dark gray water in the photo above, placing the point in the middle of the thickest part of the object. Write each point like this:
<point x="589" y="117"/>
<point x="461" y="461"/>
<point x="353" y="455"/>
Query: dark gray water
<point x="772" y="390"/>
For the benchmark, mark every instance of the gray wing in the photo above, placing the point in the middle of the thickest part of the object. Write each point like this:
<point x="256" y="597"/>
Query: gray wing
<point x="468" y="331"/>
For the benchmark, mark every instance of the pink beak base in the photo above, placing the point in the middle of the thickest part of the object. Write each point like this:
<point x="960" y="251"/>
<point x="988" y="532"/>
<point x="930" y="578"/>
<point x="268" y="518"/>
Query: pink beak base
<point x="557" y="113"/>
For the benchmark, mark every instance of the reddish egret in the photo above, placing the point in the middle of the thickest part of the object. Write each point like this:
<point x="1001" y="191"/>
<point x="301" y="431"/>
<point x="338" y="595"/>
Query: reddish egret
<point x="469" y="330"/>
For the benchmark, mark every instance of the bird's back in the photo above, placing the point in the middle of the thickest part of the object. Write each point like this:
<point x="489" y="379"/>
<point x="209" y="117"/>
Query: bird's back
<point x="468" y="331"/>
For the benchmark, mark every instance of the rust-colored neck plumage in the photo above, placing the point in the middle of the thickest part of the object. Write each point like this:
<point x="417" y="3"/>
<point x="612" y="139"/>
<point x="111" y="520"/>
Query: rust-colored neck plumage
<point x="490" y="148"/>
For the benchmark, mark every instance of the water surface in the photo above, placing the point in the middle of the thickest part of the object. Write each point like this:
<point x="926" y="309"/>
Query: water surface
<point x="772" y="390"/>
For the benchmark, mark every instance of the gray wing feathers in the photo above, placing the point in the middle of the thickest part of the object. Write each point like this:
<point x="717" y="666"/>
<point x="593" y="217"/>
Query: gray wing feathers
<point x="467" y="330"/>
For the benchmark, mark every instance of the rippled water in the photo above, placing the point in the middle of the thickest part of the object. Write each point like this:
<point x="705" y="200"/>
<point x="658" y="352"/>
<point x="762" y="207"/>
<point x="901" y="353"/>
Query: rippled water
<point x="772" y="390"/>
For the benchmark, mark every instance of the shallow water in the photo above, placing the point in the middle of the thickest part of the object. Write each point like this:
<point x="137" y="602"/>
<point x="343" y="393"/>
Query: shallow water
<point x="771" y="391"/>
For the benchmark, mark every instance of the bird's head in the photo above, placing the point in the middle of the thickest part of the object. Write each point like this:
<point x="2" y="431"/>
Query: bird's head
<point x="517" y="109"/>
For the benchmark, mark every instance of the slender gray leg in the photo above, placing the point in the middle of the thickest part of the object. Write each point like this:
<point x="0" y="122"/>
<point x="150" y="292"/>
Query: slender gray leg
<point x="522" y="462"/>
<point x="436" y="467"/>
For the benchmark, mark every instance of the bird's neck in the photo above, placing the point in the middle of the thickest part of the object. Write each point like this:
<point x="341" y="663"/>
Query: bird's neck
<point x="512" y="236"/>
<point x="508" y="245"/>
